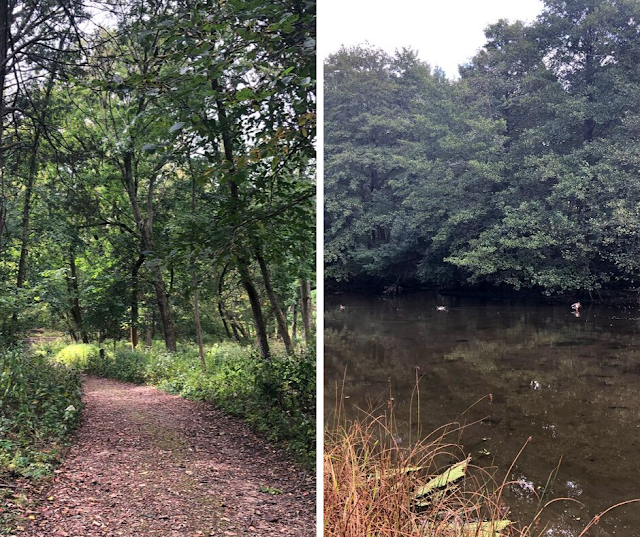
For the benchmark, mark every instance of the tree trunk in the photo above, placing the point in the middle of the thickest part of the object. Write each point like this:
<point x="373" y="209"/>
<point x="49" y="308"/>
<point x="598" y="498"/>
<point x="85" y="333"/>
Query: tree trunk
<point x="238" y="326"/>
<point x="135" y="308"/>
<point x="294" y="328"/>
<point x="219" y="281"/>
<point x="242" y="263"/>
<point x="26" y="214"/>
<point x="256" y="309"/>
<point x="76" y="311"/>
<point x="145" y="226"/>
<point x="234" y="327"/>
<point x="224" y="320"/>
<point x="163" y="308"/>
<point x="5" y="31"/>
<point x="196" y="313"/>
<point x="281" y="320"/>
<point x="194" y="283"/>
<point x="307" y="317"/>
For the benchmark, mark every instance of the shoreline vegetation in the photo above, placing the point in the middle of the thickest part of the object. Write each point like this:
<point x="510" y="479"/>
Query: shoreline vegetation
<point x="429" y="487"/>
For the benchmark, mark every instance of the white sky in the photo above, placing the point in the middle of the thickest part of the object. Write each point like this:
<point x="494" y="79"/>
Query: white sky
<point x="446" y="33"/>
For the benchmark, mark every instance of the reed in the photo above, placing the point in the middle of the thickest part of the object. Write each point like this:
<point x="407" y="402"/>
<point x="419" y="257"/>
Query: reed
<point x="374" y="486"/>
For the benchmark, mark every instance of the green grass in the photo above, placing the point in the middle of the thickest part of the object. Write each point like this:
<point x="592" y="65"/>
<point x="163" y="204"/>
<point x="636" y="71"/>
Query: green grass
<point x="77" y="356"/>
<point x="277" y="398"/>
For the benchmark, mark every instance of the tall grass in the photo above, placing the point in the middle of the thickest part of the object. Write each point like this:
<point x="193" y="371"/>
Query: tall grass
<point x="375" y="487"/>
<point x="372" y="485"/>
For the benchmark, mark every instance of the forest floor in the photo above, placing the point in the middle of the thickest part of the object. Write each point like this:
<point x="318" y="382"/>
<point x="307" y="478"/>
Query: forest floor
<point x="148" y="463"/>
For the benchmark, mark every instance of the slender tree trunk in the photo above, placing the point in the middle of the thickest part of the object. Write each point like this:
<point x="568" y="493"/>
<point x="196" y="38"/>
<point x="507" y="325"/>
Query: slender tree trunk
<point x="194" y="284"/>
<point x="236" y="333"/>
<point x="135" y="308"/>
<point x="163" y="308"/>
<point x="145" y="228"/>
<point x="242" y="263"/>
<point x="26" y="210"/>
<point x="221" y="308"/>
<point x="307" y="317"/>
<point x="294" y="328"/>
<point x="224" y="321"/>
<point x="76" y="311"/>
<point x="256" y="309"/>
<point x="148" y="337"/>
<point x="26" y="214"/>
<point x="5" y="31"/>
<point x="196" y="312"/>
<point x="245" y="334"/>
<point x="281" y="319"/>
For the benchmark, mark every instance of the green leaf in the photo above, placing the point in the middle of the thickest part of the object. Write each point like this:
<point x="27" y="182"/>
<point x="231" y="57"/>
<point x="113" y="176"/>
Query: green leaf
<point x="455" y="472"/>
<point x="245" y="94"/>
<point x="436" y="497"/>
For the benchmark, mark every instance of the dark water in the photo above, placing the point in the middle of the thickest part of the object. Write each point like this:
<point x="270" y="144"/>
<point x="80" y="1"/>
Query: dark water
<point x="571" y="383"/>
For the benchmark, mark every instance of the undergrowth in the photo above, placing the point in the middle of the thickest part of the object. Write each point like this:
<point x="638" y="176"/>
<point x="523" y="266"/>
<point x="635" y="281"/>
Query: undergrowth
<point x="276" y="397"/>
<point x="40" y="404"/>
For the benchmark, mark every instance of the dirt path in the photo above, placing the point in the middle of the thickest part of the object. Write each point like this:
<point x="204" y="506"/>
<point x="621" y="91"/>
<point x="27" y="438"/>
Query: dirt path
<point x="148" y="463"/>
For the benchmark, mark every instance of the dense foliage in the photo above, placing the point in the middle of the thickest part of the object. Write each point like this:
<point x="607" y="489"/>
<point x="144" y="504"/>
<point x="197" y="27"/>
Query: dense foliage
<point x="523" y="172"/>
<point x="39" y="406"/>
<point x="157" y="172"/>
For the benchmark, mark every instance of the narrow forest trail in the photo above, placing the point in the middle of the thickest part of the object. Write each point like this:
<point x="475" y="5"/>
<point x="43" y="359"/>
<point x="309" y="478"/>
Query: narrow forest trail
<point x="148" y="463"/>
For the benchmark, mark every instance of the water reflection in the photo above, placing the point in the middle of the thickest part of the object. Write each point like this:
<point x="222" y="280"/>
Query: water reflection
<point x="571" y="383"/>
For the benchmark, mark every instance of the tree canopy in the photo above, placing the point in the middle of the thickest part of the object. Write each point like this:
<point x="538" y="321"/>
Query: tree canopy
<point x="158" y="169"/>
<point x="522" y="172"/>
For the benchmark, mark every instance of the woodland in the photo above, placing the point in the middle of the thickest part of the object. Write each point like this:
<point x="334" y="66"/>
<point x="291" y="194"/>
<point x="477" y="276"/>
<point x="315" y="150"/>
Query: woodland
<point x="521" y="174"/>
<point x="157" y="214"/>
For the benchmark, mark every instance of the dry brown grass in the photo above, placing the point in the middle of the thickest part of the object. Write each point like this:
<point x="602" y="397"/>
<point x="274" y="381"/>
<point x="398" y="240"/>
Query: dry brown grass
<point x="370" y="484"/>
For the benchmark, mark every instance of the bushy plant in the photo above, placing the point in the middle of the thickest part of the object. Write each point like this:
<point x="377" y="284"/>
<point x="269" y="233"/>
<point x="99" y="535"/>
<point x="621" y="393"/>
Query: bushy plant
<point x="77" y="355"/>
<point x="124" y="364"/>
<point x="39" y="405"/>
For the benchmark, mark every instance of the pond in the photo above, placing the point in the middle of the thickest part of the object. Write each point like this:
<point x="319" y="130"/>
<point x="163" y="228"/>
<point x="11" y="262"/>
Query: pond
<point x="571" y="383"/>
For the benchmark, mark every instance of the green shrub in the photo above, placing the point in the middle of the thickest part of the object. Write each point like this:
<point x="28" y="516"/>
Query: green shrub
<point x="125" y="364"/>
<point x="77" y="355"/>
<point x="39" y="405"/>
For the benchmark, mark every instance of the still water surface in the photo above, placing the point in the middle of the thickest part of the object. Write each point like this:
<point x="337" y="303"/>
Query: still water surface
<point x="571" y="383"/>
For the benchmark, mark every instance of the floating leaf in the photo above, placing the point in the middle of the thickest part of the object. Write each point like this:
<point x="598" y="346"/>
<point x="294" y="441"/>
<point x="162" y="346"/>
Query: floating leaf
<point x="436" y="497"/>
<point x="485" y="529"/>
<point x="455" y="472"/>
<point x="492" y="528"/>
